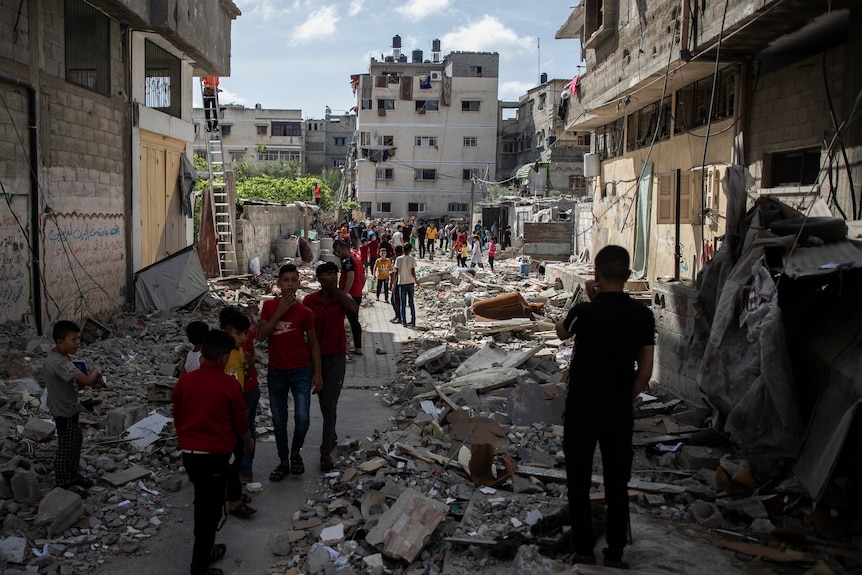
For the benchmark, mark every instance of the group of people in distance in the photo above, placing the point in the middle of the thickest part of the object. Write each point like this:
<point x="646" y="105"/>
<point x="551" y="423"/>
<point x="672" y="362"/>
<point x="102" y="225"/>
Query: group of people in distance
<point x="215" y="399"/>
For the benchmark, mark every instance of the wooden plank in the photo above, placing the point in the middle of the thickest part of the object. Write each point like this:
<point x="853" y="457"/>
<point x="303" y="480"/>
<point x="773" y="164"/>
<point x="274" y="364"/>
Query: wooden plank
<point x="771" y="553"/>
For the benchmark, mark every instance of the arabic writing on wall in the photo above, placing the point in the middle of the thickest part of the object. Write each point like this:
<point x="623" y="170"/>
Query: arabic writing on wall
<point x="14" y="260"/>
<point x="84" y="264"/>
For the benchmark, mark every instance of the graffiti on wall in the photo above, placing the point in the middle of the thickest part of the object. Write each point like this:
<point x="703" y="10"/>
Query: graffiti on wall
<point x="84" y="264"/>
<point x="15" y="297"/>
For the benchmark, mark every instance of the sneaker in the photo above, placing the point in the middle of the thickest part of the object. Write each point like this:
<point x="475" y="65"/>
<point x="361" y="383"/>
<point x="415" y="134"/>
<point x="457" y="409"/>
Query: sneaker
<point x="615" y="562"/>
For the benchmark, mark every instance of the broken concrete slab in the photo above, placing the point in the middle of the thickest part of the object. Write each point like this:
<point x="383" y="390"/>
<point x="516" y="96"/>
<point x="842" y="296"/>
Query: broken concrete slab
<point x="526" y="405"/>
<point x="333" y="533"/>
<point x="39" y="430"/>
<point x="59" y="510"/>
<point x="486" y="380"/>
<point x="133" y="473"/>
<point x="404" y="529"/>
<point x="518" y="358"/>
<point x="492" y="355"/>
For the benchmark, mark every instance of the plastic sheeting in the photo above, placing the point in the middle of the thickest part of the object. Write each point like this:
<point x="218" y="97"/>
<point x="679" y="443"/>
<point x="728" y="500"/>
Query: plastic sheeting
<point x="172" y="283"/>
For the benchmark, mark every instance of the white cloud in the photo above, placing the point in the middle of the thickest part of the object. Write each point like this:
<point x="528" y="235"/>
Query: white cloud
<point x="511" y="91"/>
<point x="419" y="9"/>
<point x="355" y="7"/>
<point x="319" y="24"/>
<point x="487" y="35"/>
<point x="266" y="9"/>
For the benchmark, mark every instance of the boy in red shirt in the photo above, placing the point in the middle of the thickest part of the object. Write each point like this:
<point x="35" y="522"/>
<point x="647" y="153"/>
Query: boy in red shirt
<point x="209" y="414"/>
<point x="350" y="282"/>
<point x="294" y="367"/>
<point x="330" y="306"/>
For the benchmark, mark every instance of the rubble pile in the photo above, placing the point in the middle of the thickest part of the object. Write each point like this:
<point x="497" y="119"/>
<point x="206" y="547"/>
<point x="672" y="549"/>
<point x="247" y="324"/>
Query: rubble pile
<point x="470" y="478"/>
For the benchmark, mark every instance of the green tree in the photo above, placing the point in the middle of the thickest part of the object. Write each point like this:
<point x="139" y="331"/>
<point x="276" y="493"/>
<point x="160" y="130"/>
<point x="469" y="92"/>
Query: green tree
<point x="283" y="190"/>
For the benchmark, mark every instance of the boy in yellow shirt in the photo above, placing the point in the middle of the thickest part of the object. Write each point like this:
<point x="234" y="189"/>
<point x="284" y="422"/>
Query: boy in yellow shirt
<point x="382" y="268"/>
<point x="431" y="236"/>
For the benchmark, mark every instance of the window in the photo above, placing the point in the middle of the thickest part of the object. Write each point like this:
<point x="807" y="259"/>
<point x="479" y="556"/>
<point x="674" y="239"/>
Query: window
<point x="338" y="164"/>
<point x="262" y="130"/>
<point x="88" y="46"/>
<point x="425" y="174"/>
<point x="225" y="129"/>
<point x="470" y="105"/>
<point x="609" y="139"/>
<point x="577" y="184"/>
<point x="416" y="207"/>
<point x="470" y="141"/>
<point x="385" y="174"/>
<point x="642" y="125"/>
<point x="279" y="155"/>
<point x="543" y="101"/>
<point x="423" y="106"/>
<point x="364" y="138"/>
<point x="476" y="71"/>
<point x="385" y="104"/>
<point x="666" y="208"/>
<point x="237" y="156"/>
<point x="794" y="168"/>
<point x="510" y="147"/>
<point x="161" y="72"/>
<point x="692" y="102"/>
<point x="426" y="141"/>
<point x="314" y="147"/>
<point x="468" y="174"/>
<point x="365" y="104"/>
<point x="583" y="140"/>
<point x="286" y="129"/>
<point x="385" y="140"/>
<point x="340" y="141"/>
<point x="384" y="207"/>
<point x="456" y="207"/>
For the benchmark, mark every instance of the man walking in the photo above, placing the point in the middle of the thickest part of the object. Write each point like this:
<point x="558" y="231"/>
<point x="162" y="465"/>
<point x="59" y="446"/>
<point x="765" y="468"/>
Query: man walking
<point x="350" y="282"/>
<point x="405" y="271"/>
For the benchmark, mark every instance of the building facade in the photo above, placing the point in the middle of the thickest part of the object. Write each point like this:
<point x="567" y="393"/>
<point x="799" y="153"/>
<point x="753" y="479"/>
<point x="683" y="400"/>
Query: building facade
<point x="98" y="112"/>
<point x="426" y="133"/>
<point x="327" y="142"/>
<point x="255" y="134"/>
<point x="673" y="97"/>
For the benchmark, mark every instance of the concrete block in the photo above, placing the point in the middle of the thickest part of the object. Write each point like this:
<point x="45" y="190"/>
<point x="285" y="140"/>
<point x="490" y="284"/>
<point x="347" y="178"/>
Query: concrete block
<point x="121" y="418"/>
<point x="406" y="527"/>
<point x="133" y="473"/>
<point x="706" y="514"/>
<point x="39" y="430"/>
<point x="14" y="549"/>
<point x="435" y="359"/>
<point x="15" y="465"/>
<point x="25" y="487"/>
<point x="59" y="510"/>
<point x="318" y="560"/>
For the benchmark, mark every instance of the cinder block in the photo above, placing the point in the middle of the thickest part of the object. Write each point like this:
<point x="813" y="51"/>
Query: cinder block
<point x="59" y="510"/>
<point x="25" y="487"/>
<point x="121" y="418"/>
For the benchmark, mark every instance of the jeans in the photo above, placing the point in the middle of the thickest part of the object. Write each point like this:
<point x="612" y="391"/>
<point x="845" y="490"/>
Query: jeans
<point x="251" y="397"/>
<point x="355" y="327"/>
<point x="579" y="444"/>
<point x="333" y="367"/>
<point x="405" y="293"/>
<point x="281" y="382"/>
<point x="208" y="474"/>
<point x="421" y="242"/>
<point x="396" y="303"/>
<point x="383" y="286"/>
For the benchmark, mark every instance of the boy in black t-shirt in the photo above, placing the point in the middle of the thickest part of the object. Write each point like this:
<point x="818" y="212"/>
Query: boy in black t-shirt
<point x="613" y="334"/>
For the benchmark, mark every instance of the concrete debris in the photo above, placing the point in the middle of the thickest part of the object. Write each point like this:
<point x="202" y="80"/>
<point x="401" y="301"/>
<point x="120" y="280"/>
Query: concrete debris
<point x="469" y="479"/>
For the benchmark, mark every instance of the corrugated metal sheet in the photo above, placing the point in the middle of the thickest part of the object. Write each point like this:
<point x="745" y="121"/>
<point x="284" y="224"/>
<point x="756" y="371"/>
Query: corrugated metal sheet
<point x="825" y="259"/>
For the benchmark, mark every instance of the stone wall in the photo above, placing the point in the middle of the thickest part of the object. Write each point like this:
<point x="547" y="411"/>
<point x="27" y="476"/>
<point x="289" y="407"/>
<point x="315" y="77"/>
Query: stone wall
<point x="679" y="343"/>
<point x="260" y="226"/>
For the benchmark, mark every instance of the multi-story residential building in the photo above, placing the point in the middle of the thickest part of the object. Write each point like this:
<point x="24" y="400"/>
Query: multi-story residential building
<point x="426" y="131"/>
<point x="327" y="142"/>
<point x="257" y="133"/>
<point x="674" y="94"/>
<point x="97" y="112"/>
<point x="537" y="149"/>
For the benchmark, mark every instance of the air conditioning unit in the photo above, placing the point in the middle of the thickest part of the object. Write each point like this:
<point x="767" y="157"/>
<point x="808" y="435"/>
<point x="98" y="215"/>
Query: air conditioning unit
<point x="436" y="76"/>
<point x="711" y="186"/>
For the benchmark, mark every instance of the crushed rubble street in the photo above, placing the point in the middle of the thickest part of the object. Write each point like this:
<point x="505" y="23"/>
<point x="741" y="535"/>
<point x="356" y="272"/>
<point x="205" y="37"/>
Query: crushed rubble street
<point x="469" y="478"/>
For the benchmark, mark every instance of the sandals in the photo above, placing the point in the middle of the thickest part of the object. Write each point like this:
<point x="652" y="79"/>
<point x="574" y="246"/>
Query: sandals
<point x="217" y="552"/>
<point x="242" y="511"/>
<point x="244" y="498"/>
<point x="279" y="473"/>
<point x="297" y="467"/>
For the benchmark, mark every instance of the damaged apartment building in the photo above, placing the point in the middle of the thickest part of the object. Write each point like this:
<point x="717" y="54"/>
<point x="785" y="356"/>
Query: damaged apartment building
<point x="725" y="156"/>
<point x="96" y="115"/>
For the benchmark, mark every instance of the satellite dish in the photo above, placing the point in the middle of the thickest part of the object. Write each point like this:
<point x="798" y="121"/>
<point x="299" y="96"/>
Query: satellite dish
<point x="565" y="95"/>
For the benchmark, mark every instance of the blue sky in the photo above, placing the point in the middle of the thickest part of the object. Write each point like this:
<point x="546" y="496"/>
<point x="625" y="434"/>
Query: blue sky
<point x="299" y="54"/>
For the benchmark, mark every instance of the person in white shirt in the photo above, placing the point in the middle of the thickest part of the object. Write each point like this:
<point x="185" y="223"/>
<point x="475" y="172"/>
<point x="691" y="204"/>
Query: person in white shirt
<point x="405" y="268"/>
<point x="398" y="238"/>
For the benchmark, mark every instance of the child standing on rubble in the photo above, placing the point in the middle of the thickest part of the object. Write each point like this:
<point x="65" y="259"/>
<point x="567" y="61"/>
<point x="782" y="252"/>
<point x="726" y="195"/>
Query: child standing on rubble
<point x="382" y="267"/>
<point x="63" y="380"/>
<point x="209" y="414"/>
<point x="611" y="364"/>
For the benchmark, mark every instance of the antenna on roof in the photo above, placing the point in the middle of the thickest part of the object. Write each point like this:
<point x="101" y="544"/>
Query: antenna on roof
<point x="539" y="56"/>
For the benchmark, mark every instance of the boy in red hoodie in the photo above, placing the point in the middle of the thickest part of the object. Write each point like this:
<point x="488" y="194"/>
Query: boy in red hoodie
<point x="209" y="413"/>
